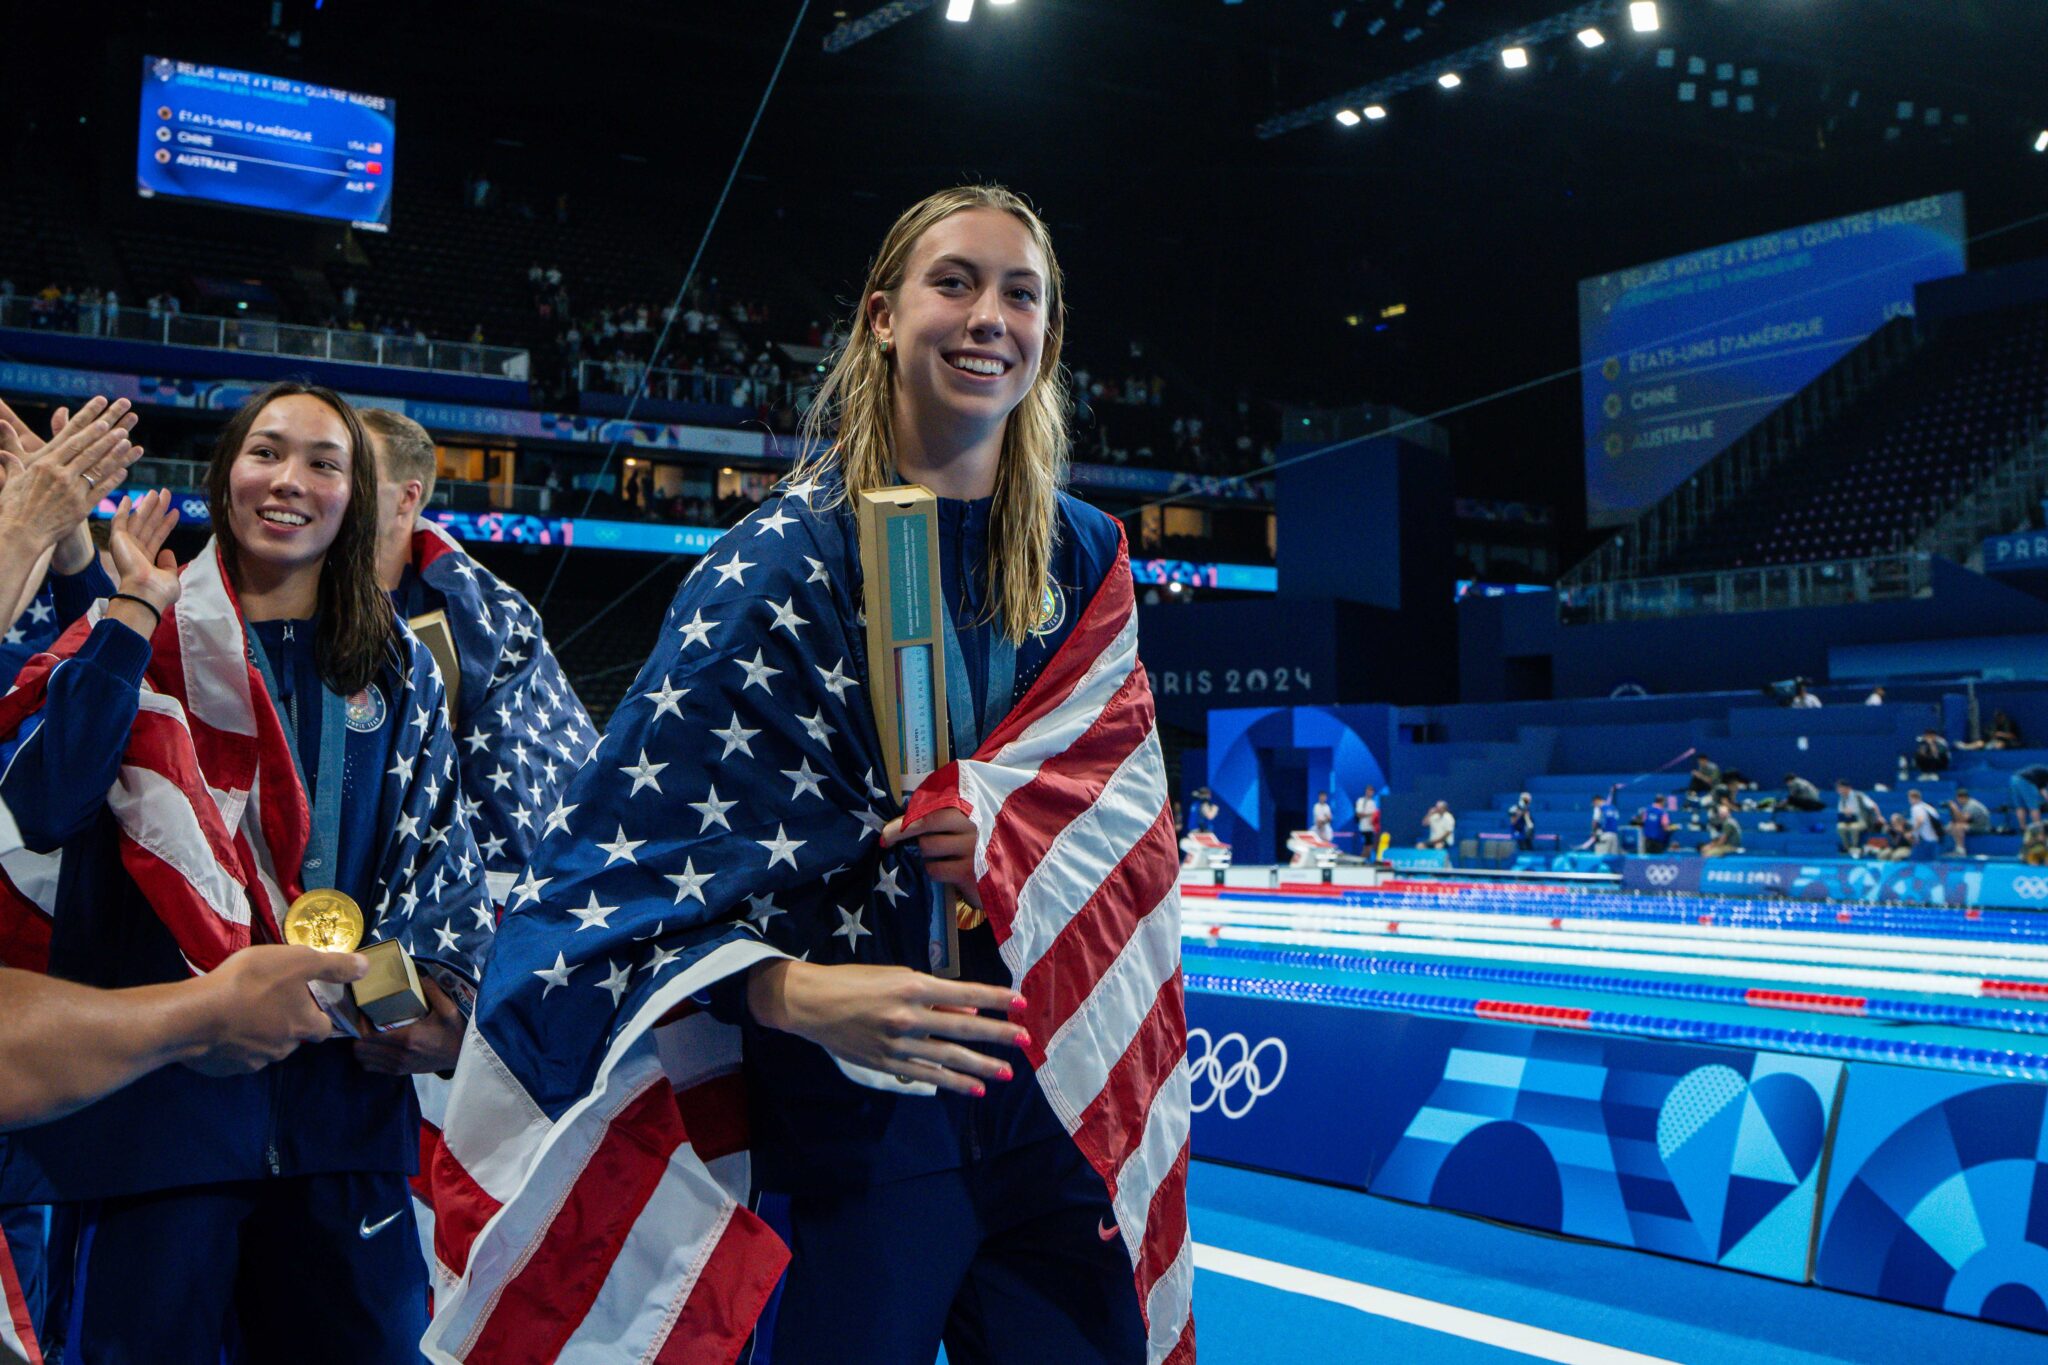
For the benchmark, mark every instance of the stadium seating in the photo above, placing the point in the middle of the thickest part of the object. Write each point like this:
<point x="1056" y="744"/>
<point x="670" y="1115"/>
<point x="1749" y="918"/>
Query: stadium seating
<point x="1919" y="444"/>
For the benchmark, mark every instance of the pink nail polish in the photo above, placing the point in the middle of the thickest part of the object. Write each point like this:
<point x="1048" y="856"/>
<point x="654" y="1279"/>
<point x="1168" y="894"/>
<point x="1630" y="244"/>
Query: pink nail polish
<point x="1019" y="1002"/>
<point x="980" y="1091"/>
<point x="1023" y="1038"/>
<point x="1005" y="1074"/>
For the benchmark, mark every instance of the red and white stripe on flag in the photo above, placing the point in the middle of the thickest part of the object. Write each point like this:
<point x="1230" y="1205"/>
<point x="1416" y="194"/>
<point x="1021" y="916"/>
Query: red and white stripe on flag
<point x="213" y="820"/>
<point x="620" y="1230"/>
<point x="1077" y="867"/>
<point x="17" y="1328"/>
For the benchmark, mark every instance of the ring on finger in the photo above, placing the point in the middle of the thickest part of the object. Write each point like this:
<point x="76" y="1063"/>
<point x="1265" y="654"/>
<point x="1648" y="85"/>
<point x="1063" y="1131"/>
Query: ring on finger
<point x="90" y="481"/>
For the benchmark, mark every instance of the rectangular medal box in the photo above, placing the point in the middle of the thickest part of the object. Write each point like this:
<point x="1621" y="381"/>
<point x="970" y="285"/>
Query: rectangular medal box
<point x="899" y="560"/>
<point x="434" y="632"/>
<point x="389" y="995"/>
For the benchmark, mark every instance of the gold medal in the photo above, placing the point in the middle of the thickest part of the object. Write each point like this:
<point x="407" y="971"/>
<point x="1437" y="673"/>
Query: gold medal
<point x="326" y="919"/>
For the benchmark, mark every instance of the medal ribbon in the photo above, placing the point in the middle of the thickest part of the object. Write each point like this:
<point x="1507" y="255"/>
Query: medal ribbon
<point x="317" y="869"/>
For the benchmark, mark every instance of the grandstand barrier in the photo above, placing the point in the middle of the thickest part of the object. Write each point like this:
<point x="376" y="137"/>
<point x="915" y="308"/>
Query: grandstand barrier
<point x="262" y="336"/>
<point x="1913" y="1184"/>
<point x="262" y="361"/>
<point x="1959" y="885"/>
<point x="1722" y="592"/>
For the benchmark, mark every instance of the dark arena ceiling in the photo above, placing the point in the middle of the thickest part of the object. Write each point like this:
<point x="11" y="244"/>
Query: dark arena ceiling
<point x="1136" y="125"/>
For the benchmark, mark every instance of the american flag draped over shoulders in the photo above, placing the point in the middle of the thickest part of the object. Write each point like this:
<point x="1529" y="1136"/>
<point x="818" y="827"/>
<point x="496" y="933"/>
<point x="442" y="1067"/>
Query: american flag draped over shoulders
<point x="591" y="1189"/>
<point x="36" y="627"/>
<point x="521" y="730"/>
<point x="213" y="819"/>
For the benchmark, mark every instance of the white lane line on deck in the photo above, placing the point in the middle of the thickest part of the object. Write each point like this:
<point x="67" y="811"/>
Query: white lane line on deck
<point x="1505" y="1333"/>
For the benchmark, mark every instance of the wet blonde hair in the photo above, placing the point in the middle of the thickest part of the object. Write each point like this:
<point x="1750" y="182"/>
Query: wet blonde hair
<point x="850" y="432"/>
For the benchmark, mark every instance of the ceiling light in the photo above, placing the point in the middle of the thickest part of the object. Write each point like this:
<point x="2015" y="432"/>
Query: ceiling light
<point x="1348" y="117"/>
<point x="1450" y="80"/>
<point x="1642" y="15"/>
<point x="2041" y="142"/>
<point x="959" y="10"/>
<point x="1591" y="37"/>
<point x="1375" y="112"/>
<point x="1514" y="58"/>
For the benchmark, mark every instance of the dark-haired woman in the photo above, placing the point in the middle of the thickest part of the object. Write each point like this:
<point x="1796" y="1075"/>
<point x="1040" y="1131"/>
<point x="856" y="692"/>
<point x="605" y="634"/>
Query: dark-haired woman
<point x="198" y="753"/>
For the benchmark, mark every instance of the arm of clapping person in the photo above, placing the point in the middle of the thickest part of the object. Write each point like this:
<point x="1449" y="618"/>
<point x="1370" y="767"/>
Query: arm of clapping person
<point x="50" y="487"/>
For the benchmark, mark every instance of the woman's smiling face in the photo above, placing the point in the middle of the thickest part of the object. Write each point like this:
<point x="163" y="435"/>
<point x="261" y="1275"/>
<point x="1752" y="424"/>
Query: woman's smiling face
<point x="967" y="325"/>
<point x="288" y="488"/>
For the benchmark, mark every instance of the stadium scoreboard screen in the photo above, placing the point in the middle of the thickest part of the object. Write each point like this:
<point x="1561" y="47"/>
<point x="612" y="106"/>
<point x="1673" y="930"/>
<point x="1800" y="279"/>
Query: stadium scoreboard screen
<point x="251" y="141"/>
<point x="1682" y="356"/>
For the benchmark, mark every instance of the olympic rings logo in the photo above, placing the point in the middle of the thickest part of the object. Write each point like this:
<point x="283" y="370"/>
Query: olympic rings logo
<point x="2033" y="888"/>
<point x="1662" y="874"/>
<point x="1233" y="1071"/>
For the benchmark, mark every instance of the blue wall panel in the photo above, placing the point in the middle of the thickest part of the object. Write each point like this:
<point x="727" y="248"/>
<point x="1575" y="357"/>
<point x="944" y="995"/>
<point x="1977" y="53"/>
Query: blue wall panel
<point x="1938" y="1194"/>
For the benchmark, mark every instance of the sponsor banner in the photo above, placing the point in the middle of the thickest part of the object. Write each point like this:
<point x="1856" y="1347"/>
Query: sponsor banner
<point x="2010" y="886"/>
<point x="59" y="383"/>
<point x="2020" y="552"/>
<point x="1190" y="574"/>
<point x="1291" y="1087"/>
<point x="224" y="395"/>
<point x="1166" y="481"/>
<point x="1661" y="874"/>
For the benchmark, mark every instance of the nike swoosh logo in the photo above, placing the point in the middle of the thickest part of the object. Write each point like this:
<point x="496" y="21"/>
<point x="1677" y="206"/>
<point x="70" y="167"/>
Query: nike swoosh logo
<point x="1106" y="1230"/>
<point x="369" y="1229"/>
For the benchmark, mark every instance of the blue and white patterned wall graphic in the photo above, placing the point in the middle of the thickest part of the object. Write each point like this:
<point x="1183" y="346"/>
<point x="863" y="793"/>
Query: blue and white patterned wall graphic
<point x="1938" y="1194"/>
<point x="1709" y="1154"/>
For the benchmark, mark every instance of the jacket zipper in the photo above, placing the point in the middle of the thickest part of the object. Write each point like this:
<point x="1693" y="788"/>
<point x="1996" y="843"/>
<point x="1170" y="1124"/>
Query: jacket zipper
<point x="270" y="1136"/>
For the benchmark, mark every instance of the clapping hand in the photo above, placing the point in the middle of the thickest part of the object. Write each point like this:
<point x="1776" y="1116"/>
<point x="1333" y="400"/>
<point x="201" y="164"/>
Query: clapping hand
<point x="145" y="568"/>
<point x="51" y="486"/>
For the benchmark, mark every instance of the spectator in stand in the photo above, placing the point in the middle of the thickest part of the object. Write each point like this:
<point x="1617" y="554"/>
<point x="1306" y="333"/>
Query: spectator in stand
<point x="1366" y="809"/>
<point x="1876" y="697"/>
<point x="2034" y="846"/>
<point x="1606" y="826"/>
<point x="1440" y="827"/>
<point x="1966" y="816"/>
<point x="1931" y="754"/>
<point x="1801" y="794"/>
<point x="1856" y="815"/>
<point x="110" y="305"/>
<point x="2004" y="734"/>
<point x="1324" y="819"/>
<point x="2028" y="785"/>
<point x="1522" y="823"/>
<point x="1897" y="843"/>
<point x="1657" y="824"/>
<point x="1803" y="699"/>
<point x="1725" y="831"/>
<point x="1706" y="775"/>
<point x="1926" y="827"/>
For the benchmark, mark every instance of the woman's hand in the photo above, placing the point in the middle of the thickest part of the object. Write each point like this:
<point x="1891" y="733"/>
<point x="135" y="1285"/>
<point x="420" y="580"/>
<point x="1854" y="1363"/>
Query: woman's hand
<point x="430" y="1043"/>
<point x="890" y="1019"/>
<point x="142" y="566"/>
<point x="50" y="489"/>
<point x="74" y="551"/>
<point x="946" y="839"/>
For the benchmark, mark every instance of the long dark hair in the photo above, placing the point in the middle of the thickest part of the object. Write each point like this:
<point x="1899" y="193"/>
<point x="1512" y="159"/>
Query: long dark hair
<point x="358" y="629"/>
